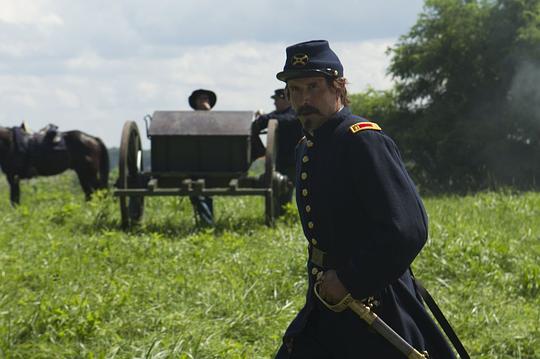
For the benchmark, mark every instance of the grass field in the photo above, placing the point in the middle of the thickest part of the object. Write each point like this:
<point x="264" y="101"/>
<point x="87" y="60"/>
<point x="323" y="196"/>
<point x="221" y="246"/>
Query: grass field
<point x="73" y="285"/>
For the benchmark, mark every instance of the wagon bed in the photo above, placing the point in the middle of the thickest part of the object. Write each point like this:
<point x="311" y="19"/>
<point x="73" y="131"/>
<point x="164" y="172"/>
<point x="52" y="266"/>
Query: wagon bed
<point x="195" y="153"/>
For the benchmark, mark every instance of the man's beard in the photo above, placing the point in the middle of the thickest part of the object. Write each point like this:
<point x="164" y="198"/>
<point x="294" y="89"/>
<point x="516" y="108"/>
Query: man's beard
<point x="310" y="123"/>
<point x="305" y="113"/>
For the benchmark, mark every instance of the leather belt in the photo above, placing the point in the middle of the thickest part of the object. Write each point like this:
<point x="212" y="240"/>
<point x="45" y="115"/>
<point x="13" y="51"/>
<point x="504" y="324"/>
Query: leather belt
<point x="322" y="259"/>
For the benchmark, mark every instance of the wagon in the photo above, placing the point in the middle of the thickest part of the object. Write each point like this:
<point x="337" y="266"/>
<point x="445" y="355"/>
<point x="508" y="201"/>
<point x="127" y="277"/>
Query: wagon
<point x="196" y="153"/>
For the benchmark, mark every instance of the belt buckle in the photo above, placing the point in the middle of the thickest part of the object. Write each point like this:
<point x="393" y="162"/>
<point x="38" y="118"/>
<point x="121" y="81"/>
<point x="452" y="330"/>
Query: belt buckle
<point x="317" y="257"/>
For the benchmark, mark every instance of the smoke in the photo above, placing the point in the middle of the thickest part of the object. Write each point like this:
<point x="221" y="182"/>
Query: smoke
<point x="514" y="159"/>
<point x="524" y="93"/>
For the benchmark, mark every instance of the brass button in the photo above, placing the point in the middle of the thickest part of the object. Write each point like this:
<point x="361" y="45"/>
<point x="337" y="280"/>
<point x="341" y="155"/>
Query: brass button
<point x="303" y="175"/>
<point x="304" y="192"/>
<point x="308" y="208"/>
<point x="311" y="225"/>
<point x="305" y="159"/>
<point x="314" y="271"/>
<point x="310" y="143"/>
<point x="314" y="241"/>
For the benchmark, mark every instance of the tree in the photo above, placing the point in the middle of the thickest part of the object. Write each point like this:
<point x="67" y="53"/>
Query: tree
<point x="467" y="77"/>
<point x="374" y="105"/>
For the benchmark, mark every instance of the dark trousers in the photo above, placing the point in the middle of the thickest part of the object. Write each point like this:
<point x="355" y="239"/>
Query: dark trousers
<point x="204" y="209"/>
<point x="329" y="335"/>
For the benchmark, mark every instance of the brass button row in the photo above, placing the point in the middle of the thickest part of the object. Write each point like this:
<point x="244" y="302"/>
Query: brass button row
<point x="305" y="193"/>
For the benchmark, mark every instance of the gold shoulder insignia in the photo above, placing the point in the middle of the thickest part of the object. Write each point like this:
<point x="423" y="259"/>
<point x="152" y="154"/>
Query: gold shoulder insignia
<point x="360" y="126"/>
<point x="301" y="140"/>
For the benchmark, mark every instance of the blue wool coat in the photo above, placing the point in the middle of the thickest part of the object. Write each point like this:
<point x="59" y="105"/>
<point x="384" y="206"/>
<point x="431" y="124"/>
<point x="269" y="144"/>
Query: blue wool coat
<point x="358" y="204"/>
<point x="290" y="132"/>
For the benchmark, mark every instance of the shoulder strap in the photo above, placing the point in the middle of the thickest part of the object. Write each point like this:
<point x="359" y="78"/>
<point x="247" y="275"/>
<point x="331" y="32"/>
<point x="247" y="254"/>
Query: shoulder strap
<point x="443" y="322"/>
<point x="361" y="126"/>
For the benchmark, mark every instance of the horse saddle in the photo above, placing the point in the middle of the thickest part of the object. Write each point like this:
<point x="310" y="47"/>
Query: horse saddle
<point x="33" y="144"/>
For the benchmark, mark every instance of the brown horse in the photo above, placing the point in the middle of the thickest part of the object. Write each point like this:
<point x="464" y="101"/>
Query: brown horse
<point x="85" y="154"/>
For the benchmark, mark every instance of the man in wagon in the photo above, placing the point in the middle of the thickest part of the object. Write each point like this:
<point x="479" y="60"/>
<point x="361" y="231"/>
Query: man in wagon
<point x="203" y="100"/>
<point x="362" y="218"/>
<point x="289" y="133"/>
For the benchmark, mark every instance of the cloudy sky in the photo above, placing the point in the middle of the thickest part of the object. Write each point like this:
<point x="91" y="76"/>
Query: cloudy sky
<point x="91" y="65"/>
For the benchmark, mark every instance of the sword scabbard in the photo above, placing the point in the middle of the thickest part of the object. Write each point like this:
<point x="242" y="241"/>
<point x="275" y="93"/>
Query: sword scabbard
<point x="364" y="312"/>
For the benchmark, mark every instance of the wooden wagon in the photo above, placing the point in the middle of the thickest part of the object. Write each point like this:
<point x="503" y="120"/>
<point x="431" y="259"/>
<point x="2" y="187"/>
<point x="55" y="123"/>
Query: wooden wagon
<point x="196" y="153"/>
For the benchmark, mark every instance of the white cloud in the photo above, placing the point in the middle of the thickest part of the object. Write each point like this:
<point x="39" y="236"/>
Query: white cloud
<point x="85" y="61"/>
<point x="65" y="99"/>
<point x="28" y="13"/>
<point x="97" y="95"/>
<point x="147" y="90"/>
<point x="93" y="65"/>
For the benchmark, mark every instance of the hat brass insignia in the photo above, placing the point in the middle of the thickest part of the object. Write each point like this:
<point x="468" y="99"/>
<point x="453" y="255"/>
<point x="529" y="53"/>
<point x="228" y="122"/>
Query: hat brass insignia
<point x="300" y="59"/>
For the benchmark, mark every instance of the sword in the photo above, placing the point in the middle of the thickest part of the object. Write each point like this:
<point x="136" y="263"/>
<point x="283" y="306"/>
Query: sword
<point x="375" y="322"/>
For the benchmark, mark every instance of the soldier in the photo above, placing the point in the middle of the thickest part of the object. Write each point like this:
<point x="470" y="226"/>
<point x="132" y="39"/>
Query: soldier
<point x="289" y="133"/>
<point x="203" y="100"/>
<point x="362" y="217"/>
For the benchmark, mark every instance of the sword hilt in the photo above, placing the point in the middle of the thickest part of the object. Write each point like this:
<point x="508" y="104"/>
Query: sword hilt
<point x="374" y="321"/>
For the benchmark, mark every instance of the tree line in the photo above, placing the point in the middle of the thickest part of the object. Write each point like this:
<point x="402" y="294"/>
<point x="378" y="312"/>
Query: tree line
<point x="465" y="107"/>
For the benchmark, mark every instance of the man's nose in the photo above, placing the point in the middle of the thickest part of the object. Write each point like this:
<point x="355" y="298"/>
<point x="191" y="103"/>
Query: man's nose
<point x="306" y="98"/>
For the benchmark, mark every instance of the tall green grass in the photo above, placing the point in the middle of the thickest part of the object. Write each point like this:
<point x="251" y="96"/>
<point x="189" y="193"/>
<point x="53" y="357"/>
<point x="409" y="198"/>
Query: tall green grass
<point x="73" y="285"/>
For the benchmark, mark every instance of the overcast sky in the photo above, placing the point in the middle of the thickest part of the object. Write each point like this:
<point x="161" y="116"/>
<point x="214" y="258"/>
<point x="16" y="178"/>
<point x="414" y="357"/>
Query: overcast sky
<point x="91" y="65"/>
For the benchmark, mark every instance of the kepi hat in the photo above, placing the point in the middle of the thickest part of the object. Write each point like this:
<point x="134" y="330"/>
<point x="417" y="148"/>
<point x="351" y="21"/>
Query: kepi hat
<point x="279" y="93"/>
<point x="311" y="58"/>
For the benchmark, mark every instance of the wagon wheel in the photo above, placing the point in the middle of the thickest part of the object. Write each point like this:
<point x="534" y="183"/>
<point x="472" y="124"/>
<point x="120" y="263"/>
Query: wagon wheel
<point x="270" y="182"/>
<point x="129" y="175"/>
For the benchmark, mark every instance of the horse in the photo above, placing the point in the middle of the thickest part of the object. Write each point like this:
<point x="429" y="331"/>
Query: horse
<point x="79" y="151"/>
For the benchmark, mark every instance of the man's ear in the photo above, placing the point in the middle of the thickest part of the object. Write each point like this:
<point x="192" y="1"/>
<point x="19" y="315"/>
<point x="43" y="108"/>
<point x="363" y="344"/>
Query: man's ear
<point x="287" y="95"/>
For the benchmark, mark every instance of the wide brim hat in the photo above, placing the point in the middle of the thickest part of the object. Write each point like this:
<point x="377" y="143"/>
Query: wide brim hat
<point x="310" y="58"/>
<point x="193" y="97"/>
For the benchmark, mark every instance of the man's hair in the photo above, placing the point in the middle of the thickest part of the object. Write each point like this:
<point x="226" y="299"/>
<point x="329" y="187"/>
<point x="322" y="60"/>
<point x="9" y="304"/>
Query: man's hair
<point x="339" y="84"/>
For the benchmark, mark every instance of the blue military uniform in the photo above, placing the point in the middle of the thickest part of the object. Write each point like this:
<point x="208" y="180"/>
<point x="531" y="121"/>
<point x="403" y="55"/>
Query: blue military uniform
<point x="363" y="218"/>
<point x="290" y="132"/>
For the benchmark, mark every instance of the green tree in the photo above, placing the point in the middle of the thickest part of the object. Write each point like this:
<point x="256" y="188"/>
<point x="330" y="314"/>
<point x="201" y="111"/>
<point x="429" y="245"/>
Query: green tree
<point x="468" y="78"/>
<point x="382" y="107"/>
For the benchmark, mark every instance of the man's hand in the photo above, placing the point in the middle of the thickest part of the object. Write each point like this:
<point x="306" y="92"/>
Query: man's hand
<point x="331" y="289"/>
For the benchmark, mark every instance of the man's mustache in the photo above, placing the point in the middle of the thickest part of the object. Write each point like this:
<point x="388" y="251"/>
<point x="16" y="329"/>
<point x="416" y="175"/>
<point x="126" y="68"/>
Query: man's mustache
<point x="307" y="110"/>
